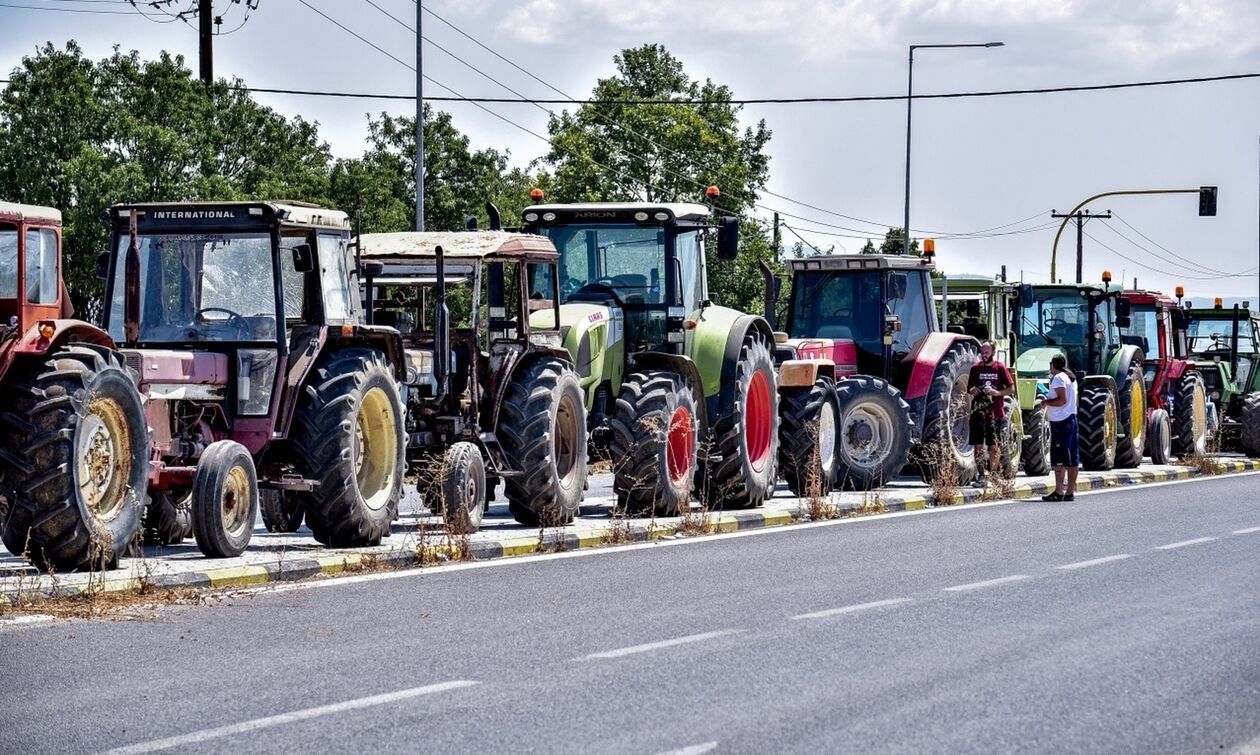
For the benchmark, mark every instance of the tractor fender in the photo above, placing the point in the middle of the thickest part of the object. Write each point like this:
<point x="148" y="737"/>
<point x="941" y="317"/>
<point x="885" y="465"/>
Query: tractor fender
<point x="658" y="360"/>
<point x="33" y="343"/>
<point x="803" y="373"/>
<point x="721" y="374"/>
<point x="1105" y="380"/>
<point x="1177" y="369"/>
<point x="1123" y="360"/>
<point x="384" y="339"/>
<point x="924" y="358"/>
<point x="593" y="334"/>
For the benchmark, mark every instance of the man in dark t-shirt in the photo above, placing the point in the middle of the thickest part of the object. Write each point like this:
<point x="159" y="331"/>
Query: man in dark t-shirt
<point x="989" y="384"/>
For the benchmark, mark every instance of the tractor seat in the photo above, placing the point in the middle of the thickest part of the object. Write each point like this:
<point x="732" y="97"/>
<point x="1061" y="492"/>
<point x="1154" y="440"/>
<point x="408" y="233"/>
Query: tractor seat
<point x="630" y="280"/>
<point x="403" y="322"/>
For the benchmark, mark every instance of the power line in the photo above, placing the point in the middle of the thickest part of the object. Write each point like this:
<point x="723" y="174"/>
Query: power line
<point x="1171" y="274"/>
<point x="54" y="9"/>
<point x="1166" y="249"/>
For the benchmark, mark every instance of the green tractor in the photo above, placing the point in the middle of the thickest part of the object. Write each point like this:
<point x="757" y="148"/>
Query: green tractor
<point x="1224" y="348"/>
<point x="1083" y="322"/>
<point x="987" y="306"/>
<point x="680" y="392"/>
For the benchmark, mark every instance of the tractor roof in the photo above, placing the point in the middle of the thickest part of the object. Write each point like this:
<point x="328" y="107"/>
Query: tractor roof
<point x="468" y="245"/>
<point x="1150" y="297"/>
<point x="1109" y="288"/>
<point x="1222" y="313"/>
<point x="296" y="213"/>
<point x="860" y="262"/>
<point x="10" y="210"/>
<point x="610" y="210"/>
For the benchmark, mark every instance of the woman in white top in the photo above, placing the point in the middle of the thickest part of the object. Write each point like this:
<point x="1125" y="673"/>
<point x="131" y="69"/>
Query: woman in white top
<point x="1065" y="450"/>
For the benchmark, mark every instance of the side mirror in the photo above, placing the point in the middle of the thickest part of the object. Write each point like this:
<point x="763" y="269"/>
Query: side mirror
<point x="897" y="285"/>
<point x="303" y="258"/>
<point x="373" y="269"/>
<point x="973" y="307"/>
<point x="1025" y="296"/>
<point x="728" y="238"/>
<point x="102" y="264"/>
<point x="1124" y="308"/>
<point x="1123" y="321"/>
<point x="1180" y="320"/>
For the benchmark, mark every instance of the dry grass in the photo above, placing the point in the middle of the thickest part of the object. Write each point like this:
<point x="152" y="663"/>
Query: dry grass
<point x="871" y="503"/>
<point x="818" y="504"/>
<point x="1205" y="464"/>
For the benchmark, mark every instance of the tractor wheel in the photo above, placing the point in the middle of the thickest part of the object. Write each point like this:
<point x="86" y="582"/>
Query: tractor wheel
<point x="737" y="471"/>
<point x="542" y="426"/>
<point x="946" y="417"/>
<point x="873" y="435"/>
<point x="347" y="435"/>
<point x="807" y="438"/>
<point x="1096" y="417"/>
<point x="1036" y="447"/>
<point x="224" y="499"/>
<point x="168" y="517"/>
<point x="74" y="459"/>
<point x="1250" y="421"/>
<point x="1159" y="437"/>
<point x="281" y="510"/>
<point x="460" y="490"/>
<point x="1012" y="439"/>
<point x="1190" y="425"/>
<point x="1129" y="449"/>
<point x="653" y="443"/>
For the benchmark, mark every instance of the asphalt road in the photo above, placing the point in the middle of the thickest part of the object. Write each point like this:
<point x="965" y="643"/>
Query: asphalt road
<point x="1127" y="621"/>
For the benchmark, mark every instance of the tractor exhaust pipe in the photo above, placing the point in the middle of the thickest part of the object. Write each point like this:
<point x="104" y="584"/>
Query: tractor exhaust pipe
<point x="496" y="222"/>
<point x="771" y="295"/>
<point x="131" y="284"/>
<point x="1233" y="349"/>
<point x="441" y="330"/>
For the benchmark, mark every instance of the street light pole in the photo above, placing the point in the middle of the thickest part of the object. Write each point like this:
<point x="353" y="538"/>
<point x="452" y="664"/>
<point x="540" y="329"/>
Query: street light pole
<point x="905" y="229"/>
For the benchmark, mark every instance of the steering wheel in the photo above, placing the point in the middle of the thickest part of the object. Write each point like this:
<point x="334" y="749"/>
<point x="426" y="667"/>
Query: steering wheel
<point x="598" y="286"/>
<point x="1054" y="322"/>
<point x="234" y="319"/>
<point x="570" y="286"/>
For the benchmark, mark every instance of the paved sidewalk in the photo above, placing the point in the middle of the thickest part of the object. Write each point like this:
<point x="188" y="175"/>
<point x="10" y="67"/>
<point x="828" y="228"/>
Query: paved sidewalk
<point x="418" y="537"/>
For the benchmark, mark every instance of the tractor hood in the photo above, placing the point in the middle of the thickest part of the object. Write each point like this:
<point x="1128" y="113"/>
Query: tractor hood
<point x="586" y="330"/>
<point x="180" y="375"/>
<point x="1036" y="362"/>
<point x="843" y="352"/>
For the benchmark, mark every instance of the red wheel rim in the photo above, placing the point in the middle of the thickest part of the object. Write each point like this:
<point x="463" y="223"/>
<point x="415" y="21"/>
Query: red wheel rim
<point x="758" y="422"/>
<point x="680" y="444"/>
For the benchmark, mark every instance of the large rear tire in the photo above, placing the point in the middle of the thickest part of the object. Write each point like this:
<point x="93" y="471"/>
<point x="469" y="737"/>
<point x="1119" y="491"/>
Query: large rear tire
<point x="653" y="445"/>
<point x="873" y="433"/>
<point x="807" y="438"/>
<point x="542" y="426"/>
<point x="75" y="459"/>
<point x="1250" y="421"/>
<point x="1159" y="437"/>
<point x="1036" y="446"/>
<point x="946" y="430"/>
<point x="737" y="472"/>
<point x="1190" y="416"/>
<point x="1097" y="418"/>
<point x="168" y="517"/>
<point x="1132" y="445"/>
<point x="347" y="435"/>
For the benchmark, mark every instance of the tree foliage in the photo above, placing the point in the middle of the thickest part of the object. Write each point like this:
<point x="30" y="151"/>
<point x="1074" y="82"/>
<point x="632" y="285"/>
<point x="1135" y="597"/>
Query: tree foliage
<point x="893" y="243"/>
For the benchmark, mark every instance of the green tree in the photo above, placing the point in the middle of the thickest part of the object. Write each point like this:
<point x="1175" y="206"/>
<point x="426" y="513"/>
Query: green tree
<point x="609" y="150"/>
<point x="80" y="135"/>
<point x="894" y="242"/>
<point x="458" y="179"/>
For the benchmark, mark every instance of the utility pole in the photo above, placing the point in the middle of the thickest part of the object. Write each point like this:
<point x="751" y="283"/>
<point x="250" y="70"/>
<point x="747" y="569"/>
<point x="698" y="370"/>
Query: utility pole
<point x="1080" y="218"/>
<point x="778" y="239"/>
<point x="205" y="33"/>
<point x="419" y="121"/>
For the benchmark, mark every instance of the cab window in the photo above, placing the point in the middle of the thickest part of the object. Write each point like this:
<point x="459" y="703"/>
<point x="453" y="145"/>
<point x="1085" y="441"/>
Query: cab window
<point x="41" y="266"/>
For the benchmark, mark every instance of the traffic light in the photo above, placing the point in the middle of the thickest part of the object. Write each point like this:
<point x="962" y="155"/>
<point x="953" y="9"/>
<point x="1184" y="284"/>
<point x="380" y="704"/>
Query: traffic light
<point x="1207" y="201"/>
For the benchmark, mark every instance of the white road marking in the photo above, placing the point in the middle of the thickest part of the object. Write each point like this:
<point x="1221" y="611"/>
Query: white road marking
<point x="699" y="749"/>
<point x="18" y="621"/>
<point x="287" y="718"/>
<point x="1095" y="561"/>
<point x="1247" y="531"/>
<point x="649" y="647"/>
<point x="1184" y="543"/>
<point x="500" y="563"/>
<point x="851" y="609"/>
<point x="988" y="583"/>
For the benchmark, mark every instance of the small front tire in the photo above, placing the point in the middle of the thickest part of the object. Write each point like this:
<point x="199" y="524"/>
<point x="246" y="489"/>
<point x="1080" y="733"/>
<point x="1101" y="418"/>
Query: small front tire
<point x="224" y="500"/>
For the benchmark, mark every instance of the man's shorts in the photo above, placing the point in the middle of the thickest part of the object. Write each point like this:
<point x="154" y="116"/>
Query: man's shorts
<point x="1065" y="449"/>
<point x="986" y="430"/>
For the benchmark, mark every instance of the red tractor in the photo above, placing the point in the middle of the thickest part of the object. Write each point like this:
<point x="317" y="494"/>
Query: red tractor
<point x="1176" y="397"/>
<point x="867" y="375"/>
<point x="74" y="441"/>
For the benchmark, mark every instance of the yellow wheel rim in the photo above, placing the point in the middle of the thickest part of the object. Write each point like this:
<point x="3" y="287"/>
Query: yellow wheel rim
<point x="104" y="458"/>
<point x="1109" y="424"/>
<point x="235" y="502"/>
<point x="375" y="449"/>
<point x="1137" y="414"/>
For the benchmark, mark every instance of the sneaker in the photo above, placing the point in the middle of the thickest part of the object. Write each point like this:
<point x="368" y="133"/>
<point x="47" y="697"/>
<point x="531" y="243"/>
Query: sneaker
<point x="1068" y="498"/>
<point x="979" y="483"/>
<point x="1052" y="497"/>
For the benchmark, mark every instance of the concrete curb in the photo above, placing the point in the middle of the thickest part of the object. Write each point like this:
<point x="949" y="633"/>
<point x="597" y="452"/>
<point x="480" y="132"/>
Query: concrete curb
<point x="552" y="541"/>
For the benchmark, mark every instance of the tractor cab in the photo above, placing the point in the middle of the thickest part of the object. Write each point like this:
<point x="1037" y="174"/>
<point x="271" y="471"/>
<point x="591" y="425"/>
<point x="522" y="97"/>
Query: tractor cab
<point x="30" y="281"/>
<point x="1157" y="326"/>
<point x="864" y="312"/>
<point x="1081" y="322"/>
<point x="1224" y="346"/>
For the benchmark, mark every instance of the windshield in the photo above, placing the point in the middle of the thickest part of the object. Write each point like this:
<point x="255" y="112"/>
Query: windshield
<point x="1060" y="317"/>
<point x="1218" y="335"/>
<point x="1143" y="331"/>
<point x="626" y="259"/>
<point x="200" y="287"/>
<point x="839" y="305"/>
<point x="8" y="262"/>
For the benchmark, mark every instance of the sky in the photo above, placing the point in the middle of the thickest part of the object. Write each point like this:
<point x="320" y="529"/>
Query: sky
<point x="978" y="163"/>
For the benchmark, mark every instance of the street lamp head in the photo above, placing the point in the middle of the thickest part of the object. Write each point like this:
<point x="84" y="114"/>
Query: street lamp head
<point x="995" y="44"/>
